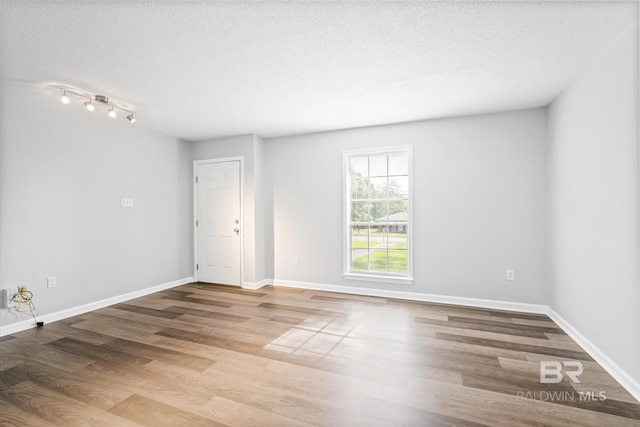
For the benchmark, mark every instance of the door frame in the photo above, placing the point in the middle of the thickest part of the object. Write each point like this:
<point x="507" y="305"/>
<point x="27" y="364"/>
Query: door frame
<point x="196" y="163"/>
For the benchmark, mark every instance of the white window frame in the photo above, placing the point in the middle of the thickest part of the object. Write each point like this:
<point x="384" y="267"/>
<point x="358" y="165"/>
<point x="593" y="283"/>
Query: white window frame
<point x="365" y="276"/>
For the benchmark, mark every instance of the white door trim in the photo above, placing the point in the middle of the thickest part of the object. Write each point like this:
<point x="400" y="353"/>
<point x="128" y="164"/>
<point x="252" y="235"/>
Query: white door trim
<point x="196" y="163"/>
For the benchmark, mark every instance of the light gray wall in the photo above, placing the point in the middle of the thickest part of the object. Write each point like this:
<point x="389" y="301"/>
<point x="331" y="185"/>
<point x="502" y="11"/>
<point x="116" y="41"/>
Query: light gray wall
<point x="593" y="203"/>
<point x="479" y="204"/>
<point x="63" y="172"/>
<point x="264" y="212"/>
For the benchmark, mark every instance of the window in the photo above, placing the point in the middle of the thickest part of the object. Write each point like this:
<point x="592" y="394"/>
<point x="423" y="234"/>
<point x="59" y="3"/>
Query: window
<point x="378" y="214"/>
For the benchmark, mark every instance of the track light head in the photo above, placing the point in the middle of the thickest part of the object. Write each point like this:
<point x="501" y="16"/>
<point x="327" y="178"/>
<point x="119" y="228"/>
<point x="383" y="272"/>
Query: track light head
<point x="89" y="105"/>
<point x="112" y="113"/>
<point x="131" y="118"/>
<point x="64" y="98"/>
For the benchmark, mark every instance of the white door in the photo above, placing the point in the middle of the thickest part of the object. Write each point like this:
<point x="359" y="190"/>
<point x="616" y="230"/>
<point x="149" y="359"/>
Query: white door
<point x="218" y="222"/>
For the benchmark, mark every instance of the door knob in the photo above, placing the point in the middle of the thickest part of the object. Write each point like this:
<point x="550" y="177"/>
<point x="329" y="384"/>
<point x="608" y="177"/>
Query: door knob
<point x="237" y="230"/>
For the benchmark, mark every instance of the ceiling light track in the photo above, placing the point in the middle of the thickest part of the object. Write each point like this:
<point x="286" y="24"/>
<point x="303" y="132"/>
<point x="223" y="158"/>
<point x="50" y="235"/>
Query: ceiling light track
<point x="96" y="100"/>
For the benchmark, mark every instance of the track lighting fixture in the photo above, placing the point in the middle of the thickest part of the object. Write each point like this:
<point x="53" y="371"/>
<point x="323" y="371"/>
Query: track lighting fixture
<point x="100" y="101"/>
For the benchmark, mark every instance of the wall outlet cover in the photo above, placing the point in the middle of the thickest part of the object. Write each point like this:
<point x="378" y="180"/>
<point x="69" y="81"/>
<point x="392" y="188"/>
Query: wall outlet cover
<point x="7" y="295"/>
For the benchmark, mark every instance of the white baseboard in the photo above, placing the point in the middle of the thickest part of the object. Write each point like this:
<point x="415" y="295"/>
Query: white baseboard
<point x="74" y="311"/>
<point x="415" y="296"/>
<point x="625" y="380"/>
<point x="258" y="285"/>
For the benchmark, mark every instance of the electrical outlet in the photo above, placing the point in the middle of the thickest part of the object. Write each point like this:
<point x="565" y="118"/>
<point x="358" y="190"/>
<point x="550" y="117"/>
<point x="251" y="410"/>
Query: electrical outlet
<point x="7" y="296"/>
<point x="126" y="203"/>
<point x="51" y="282"/>
<point x="22" y="289"/>
<point x="510" y="275"/>
<point x="296" y="260"/>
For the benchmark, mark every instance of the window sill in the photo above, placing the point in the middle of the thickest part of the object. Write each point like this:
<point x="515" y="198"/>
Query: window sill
<point x="378" y="278"/>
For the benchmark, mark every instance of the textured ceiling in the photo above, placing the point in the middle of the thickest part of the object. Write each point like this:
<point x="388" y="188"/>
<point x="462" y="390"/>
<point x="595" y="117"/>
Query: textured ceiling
<point x="197" y="70"/>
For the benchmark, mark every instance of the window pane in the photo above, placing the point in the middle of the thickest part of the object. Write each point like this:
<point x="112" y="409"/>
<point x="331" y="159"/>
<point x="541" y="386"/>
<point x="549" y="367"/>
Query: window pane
<point x="359" y="187"/>
<point x="378" y="236"/>
<point x="378" y="166"/>
<point x="378" y="260"/>
<point x="360" y="211"/>
<point x="397" y="261"/>
<point x="379" y="211"/>
<point x="359" y="236"/>
<point x="378" y="188"/>
<point x="398" y="210"/>
<point x="360" y="260"/>
<point x="398" y="164"/>
<point x="359" y="166"/>
<point x="397" y="238"/>
<point x="398" y="187"/>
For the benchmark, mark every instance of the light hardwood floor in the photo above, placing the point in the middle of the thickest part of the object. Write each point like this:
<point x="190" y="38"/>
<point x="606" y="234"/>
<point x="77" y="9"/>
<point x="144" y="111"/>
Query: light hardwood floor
<point x="210" y="355"/>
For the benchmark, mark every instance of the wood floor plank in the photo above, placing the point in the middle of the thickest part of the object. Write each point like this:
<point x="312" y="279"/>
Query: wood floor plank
<point x="323" y="393"/>
<point x="567" y="354"/>
<point x="289" y="320"/>
<point x="181" y="296"/>
<point x="147" y="383"/>
<point x="9" y="378"/>
<point x="297" y="309"/>
<point x="69" y="331"/>
<point x="256" y="331"/>
<point x="240" y="415"/>
<point x="308" y="412"/>
<point x="105" y="323"/>
<point x="562" y="345"/>
<point x="238" y="388"/>
<point x="151" y="352"/>
<point x="46" y="355"/>
<point x="95" y="352"/>
<point x="211" y="340"/>
<point x="7" y="338"/>
<point x="350" y="299"/>
<point x="9" y="359"/>
<point x="206" y="314"/>
<point x="79" y="388"/>
<point x="490" y="326"/>
<point x="147" y="311"/>
<point x="59" y="409"/>
<point x="12" y="416"/>
<point x="150" y="412"/>
<point x="408" y="416"/>
<point x="285" y="378"/>
<point x="212" y="287"/>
